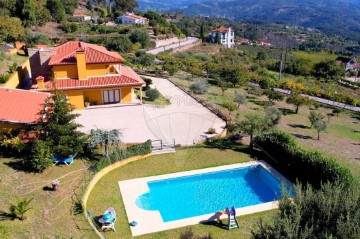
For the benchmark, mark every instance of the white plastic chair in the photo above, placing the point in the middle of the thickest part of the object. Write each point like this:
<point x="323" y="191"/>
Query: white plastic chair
<point x="109" y="225"/>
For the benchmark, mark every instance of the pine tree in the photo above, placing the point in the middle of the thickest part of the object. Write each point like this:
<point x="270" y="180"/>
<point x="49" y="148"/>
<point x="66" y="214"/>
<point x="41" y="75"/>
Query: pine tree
<point x="217" y="38"/>
<point x="57" y="128"/>
<point x="202" y="34"/>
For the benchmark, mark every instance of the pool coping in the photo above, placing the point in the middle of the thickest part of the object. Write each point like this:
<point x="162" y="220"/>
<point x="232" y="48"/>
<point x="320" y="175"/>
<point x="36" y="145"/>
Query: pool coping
<point x="151" y="221"/>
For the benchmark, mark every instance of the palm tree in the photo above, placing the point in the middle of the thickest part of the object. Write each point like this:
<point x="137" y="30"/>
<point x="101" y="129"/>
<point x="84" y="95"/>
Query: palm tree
<point x="20" y="208"/>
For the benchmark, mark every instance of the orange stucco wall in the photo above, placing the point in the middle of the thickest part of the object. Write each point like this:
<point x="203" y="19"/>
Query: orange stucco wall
<point x="126" y="95"/>
<point x="65" y="71"/>
<point x="18" y="76"/>
<point x="98" y="69"/>
<point x="76" y="98"/>
<point x="81" y="65"/>
<point x="8" y="127"/>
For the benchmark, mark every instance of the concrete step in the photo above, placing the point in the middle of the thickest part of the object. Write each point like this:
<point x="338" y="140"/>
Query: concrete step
<point x="163" y="151"/>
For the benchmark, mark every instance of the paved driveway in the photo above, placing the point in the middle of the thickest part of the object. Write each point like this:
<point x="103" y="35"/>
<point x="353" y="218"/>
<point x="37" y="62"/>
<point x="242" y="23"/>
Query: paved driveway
<point x="184" y="121"/>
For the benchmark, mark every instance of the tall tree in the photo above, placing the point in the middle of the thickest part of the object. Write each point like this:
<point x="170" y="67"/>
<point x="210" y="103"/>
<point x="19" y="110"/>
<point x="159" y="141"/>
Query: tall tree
<point x="69" y="5"/>
<point x="57" y="10"/>
<point x="126" y="5"/>
<point x="234" y="74"/>
<point x="328" y="71"/>
<point x="57" y="127"/>
<point x="105" y="138"/>
<point x="28" y="11"/>
<point x="252" y="125"/>
<point x="141" y="36"/>
<point x="202" y="34"/>
<point x="11" y="29"/>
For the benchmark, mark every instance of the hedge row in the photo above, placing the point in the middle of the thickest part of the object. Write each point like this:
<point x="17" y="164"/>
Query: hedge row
<point x="297" y="163"/>
<point x="121" y="153"/>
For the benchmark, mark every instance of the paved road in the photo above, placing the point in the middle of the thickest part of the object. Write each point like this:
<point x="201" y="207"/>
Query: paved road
<point x="318" y="99"/>
<point x="156" y="51"/>
<point x="185" y="120"/>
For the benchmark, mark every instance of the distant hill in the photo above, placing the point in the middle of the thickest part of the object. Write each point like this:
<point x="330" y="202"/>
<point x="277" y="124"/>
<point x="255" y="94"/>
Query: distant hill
<point x="340" y="17"/>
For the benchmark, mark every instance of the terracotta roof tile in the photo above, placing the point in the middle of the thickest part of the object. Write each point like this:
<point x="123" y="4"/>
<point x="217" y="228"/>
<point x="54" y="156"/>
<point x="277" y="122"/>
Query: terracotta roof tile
<point x="127" y="78"/>
<point x="221" y="29"/>
<point x="20" y="106"/>
<point x="66" y="54"/>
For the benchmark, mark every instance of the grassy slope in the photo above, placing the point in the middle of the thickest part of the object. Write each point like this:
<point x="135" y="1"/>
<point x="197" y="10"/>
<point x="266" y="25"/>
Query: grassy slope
<point x="53" y="213"/>
<point x="183" y="160"/>
<point x="8" y="60"/>
<point x="341" y="139"/>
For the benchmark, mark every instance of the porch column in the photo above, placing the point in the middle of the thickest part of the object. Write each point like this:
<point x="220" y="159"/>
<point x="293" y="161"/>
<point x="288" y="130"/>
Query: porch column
<point x="141" y="95"/>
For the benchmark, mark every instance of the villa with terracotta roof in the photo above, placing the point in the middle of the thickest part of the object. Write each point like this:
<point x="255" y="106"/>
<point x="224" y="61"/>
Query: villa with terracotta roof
<point x="226" y="35"/>
<point x="20" y="107"/>
<point x="131" y="18"/>
<point x="85" y="73"/>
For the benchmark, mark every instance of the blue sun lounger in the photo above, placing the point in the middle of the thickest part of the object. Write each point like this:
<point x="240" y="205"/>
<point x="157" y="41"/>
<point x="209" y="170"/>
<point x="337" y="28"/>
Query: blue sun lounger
<point x="69" y="160"/>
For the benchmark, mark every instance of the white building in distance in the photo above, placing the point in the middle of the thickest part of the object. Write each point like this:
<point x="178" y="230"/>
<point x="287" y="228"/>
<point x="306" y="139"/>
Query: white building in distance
<point x="226" y="36"/>
<point x="131" y="18"/>
<point x="82" y="17"/>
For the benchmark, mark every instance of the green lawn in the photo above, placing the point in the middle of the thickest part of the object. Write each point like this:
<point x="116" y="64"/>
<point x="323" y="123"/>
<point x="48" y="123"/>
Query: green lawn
<point x="8" y="60"/>
<point x="53" y="214"/>
<point x="314" y="57"/>
<point x="184" y="159"/>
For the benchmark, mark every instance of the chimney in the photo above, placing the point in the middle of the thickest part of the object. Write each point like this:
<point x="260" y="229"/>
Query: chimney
<point x="40" y="82"/>
<point x="81" y="64"/>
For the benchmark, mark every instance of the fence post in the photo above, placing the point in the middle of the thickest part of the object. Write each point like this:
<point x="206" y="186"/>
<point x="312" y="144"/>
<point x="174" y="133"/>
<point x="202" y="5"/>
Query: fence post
<point x="161" y="144"/>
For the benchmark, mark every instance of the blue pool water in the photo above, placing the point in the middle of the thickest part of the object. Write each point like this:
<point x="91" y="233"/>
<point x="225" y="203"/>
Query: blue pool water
<point x="189" y="196"/>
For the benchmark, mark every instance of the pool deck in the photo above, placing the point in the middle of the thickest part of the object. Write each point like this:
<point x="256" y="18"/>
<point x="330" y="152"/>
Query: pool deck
<point x="151" y="221"/>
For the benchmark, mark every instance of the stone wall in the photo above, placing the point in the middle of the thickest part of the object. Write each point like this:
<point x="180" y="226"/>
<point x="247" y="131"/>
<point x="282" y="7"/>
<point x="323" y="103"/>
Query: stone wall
<point x="39" y="59"/>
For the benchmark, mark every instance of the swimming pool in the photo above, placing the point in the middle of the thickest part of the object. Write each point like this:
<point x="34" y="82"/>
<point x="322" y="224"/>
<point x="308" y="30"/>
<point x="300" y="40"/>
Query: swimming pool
<point x="189" y="196"/>
<point x="179" y="199"/>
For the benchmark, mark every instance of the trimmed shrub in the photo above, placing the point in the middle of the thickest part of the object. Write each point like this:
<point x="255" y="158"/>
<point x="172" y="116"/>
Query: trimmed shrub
<point x="152" y="94"/>
<point x="122" y="153"/>
<point x="199" y="87"/>
<point x="297" y="163"/>
<point x="4" y="78"/>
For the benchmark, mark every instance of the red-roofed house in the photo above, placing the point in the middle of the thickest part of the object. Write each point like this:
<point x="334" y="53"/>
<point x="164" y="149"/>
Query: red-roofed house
<point x="82" y="17"/>
<point x="226" y="36"/>
<point x="131" y="18"/>
<point x="85" y="73"/>
<point x="20" y="107"/>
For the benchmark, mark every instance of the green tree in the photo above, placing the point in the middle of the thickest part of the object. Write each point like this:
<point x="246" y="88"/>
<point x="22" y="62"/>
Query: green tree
<point x="273" y="96"/>
<point x="28" y="10"/>
<point x="298" y="101"/>
<point x="328" y="71"/>
<point x="314" y="117"/>
<point x="217" y="38"/>
<point x="240" y="99"/>
<point x="273" y="115"/>
<point x="234" y="74"/>
<point x="125" y="5"/>
<point x="199" y="87"/>
<point x="57" y="127"/>
<point x="41" y="156"/>
<point x="252" y="125"/>
<point x="121" y="44"/>
<point x="144" y="58"/>
<point x="152" y="94"/>
<point x="105" y="138"/>
<point x="331" y="212"/>
<point x="11" y="29"/>
<point x="202" y="34"/>
<point x="141" y="36"/>
<point x="261" y="55"/>
<point x="230" y="106"/>
<point x="70" y="5"/>
<point x="20" y="208"/>
<point x="57" y="10"/>
<point x="320" y="125"/>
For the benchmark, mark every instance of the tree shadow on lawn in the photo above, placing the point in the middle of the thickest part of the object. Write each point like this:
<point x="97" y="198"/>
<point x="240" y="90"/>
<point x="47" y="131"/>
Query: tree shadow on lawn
<point x="262" y="103"/>
<point x="301" y="126"/>
<point x="356" y="116"/>
<point x="286" y="111"/>
<point x="19" y="165"/>
<point x="299" y="136"/>
<point x="4" y="216"/>
<point x="226" y="143"/>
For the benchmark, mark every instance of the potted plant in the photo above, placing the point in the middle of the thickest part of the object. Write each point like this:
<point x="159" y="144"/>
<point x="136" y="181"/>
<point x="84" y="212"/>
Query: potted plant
<point x="55" y="184"/>
<point x="87" y="102"/>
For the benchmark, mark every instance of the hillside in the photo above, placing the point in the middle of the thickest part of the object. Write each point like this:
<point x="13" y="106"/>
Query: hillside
<point x="341" y="17"/>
